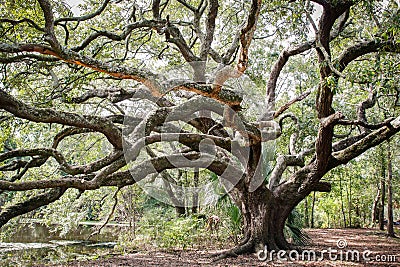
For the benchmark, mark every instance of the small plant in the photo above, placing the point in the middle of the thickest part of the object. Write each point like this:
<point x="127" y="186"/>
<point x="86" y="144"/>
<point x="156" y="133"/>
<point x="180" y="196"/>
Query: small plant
<point x="293" y="229"/>
<point x="235" y="217"/>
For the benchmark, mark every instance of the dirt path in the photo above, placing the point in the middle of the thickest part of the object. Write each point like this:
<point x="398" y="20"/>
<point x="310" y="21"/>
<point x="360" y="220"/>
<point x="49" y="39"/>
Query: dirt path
<point x="370" y="245"/>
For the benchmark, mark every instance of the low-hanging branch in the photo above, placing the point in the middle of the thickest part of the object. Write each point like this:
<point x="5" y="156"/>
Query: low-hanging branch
<point x="202" y="119"/>
<point x="140" y="171"/>
<point x="47" y="115"/>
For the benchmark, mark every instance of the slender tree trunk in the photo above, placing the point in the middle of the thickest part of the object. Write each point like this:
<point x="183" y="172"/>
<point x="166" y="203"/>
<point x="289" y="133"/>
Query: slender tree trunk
<point x="180" y="209"/>
<point x="329" y="219"/>
<point x="349" y="199"/>
<point x="312" y="211"/>
<point x="341" y="201"/>
<point x="390" y="229"/>
<point x="375" y="207"/>
<point x="383" y="192"/>
<point x="195" y="198"/>
<point x="382" y="207"/>
<point x="177" y="200"/>
<point x="306" y="215"/>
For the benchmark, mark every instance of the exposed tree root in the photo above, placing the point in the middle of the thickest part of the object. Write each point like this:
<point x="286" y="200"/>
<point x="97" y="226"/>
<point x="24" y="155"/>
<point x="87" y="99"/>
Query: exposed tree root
<point x="244" y="240"/>
<point x="248" y="247"/>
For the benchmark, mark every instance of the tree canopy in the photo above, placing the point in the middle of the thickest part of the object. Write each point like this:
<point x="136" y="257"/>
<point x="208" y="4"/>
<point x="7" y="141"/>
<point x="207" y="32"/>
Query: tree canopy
<point x="128" y="89"/>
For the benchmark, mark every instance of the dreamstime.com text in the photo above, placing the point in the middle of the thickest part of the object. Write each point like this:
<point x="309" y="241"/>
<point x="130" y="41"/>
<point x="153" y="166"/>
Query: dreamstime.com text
<point x="334" y="254"/>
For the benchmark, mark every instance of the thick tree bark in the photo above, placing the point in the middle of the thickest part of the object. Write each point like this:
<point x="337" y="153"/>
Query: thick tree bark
<point x="263" y="223"/>
<point x="264" y="218"/>
<point x="264" y="214"/>
<point x="264" y="209"/>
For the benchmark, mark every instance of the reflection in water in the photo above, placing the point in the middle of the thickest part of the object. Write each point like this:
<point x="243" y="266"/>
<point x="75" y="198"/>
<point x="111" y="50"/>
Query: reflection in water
<point x="35" y="242"/>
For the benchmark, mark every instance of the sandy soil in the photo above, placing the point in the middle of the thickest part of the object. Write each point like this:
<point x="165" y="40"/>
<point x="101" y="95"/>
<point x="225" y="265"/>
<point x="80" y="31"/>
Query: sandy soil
<point x="371" y="245"/>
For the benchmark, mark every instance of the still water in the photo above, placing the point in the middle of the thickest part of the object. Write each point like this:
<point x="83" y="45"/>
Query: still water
<point x="32" y="244"/>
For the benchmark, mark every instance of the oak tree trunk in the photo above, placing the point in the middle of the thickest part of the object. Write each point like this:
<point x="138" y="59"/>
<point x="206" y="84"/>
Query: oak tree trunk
<point x="263" y="223"/>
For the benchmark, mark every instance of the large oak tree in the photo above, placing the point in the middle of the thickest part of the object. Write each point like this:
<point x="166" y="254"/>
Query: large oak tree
<point x="70" y="75"/>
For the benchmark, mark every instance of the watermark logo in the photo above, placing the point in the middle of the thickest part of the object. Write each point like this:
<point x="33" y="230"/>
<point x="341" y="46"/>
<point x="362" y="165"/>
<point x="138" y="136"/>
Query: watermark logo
<point x="341" y="243"/>
<point x="334" y="254"/>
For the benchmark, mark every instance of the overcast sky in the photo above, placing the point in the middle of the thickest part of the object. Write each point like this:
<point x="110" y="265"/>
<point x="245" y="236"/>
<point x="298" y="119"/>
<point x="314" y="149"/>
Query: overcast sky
<point x="74" y="4"/>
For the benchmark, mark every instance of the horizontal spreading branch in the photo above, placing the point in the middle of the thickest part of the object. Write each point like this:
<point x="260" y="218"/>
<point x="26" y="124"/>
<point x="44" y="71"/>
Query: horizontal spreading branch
<point x="31" y="204"/>
<point x="372" y="139"/>
<point x="225" y="96"/>
<point x="365" y="47"/>
<point x="69" y="56"/>
<point x="47" y="115"/>
<point x="344" y="151"/>
<point x="26" y="57"/>
<point x="24" y="20"/>
<point x="143" y="76"/>
<point x="366" y="125"/>
<point x="135" y="174"/>
<point x="64" y="166"/>
<point x="185" y="112"/>
<point x="119" y="95"/>
<point x="191" y="140"/>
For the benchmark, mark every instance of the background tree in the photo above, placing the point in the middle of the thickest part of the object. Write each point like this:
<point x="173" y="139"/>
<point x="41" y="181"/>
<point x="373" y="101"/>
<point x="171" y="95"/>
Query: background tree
<point x="69" y="76"/>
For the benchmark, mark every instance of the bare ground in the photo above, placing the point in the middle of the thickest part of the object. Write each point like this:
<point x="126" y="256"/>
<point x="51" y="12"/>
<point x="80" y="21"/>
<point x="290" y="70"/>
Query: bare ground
<point x="370" y="244"/>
